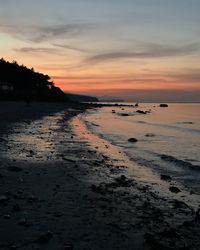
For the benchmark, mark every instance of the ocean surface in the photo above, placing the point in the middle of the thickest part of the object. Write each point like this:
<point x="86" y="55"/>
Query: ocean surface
<point x="168" y="139"/>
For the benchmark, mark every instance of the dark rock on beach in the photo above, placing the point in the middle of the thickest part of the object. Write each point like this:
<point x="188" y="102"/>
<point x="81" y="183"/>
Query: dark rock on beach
<point x="133" y="140"/>
<point x="163" y="105"/>
<point x="165" y="177"/>
<point x="45" y="237"/>
<point x="150" y="135"/>
<point x="16" y="208"/>
<point x="3" y="199"/>
<point x="123" y="181"/>
<point x="174" y="189"/>
<point x="141" y="112"/>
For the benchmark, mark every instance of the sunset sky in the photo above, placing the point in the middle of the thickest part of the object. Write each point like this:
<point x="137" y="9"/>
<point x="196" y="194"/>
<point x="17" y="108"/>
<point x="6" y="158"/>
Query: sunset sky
<point x="133" y="49"/>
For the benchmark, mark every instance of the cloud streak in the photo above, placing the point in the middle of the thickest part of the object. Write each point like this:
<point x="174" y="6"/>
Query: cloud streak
<point x="64" y="30"/>
<point x="180" y="77"/>
<point x="188" y="76"/>
<point x="39" y="34"/>
<point x="36" y="50"/>
<point x="148" y="52"/>
<point x="71" y="48"/>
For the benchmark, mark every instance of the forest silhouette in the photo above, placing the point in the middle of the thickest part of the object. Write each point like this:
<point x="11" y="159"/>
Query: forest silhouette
<point x="17" y="82"/>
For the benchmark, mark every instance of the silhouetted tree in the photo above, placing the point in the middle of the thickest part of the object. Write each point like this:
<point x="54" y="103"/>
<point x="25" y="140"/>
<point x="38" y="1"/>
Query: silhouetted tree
<point x="27" y="84"/>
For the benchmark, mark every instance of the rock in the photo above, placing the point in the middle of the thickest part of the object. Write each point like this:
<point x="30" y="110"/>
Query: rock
<point x="165" y="177"/>
<point x="16" y="208"/>
<point x="45" y="237"/>
<point x="68" y="247"/>
<point x="20" y="191"/>
<point x="163" y="105"/>
<point x="123" y="181"/>
<point x="32" y="198"/>
<point x="141" y="112"/>
<point x="13" y="247"/>
<point x="14" y="169"/>
<point x="187" y="223"/>
<point x="124" y="114"/>
<point x="174" y="189"/>
<point x="23" y="222"/>
<point x="150" y="135"/>
<point x="197" y="216"/>
<point x="132" y="140"/>
<point x="7" y="216"/>
<point x="102" y="188"/>
<point x="3" y="199"/>
<point x="183" y="207"/>
<point x="69" y="159"/>
<point x="187" y="122"/>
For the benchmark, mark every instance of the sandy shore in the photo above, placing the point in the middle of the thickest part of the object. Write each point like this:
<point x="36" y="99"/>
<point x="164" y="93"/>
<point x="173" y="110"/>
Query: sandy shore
<point x="58" y="193"/>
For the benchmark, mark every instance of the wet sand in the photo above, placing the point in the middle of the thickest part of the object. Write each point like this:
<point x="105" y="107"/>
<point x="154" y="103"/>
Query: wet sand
<point x="59" y="192"/>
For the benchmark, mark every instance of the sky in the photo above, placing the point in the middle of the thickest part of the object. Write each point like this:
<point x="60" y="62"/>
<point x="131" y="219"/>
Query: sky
<point x="147" y="50"/>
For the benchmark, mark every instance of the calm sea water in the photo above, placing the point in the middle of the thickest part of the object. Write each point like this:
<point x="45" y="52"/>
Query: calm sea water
<point x="168" y="138"/>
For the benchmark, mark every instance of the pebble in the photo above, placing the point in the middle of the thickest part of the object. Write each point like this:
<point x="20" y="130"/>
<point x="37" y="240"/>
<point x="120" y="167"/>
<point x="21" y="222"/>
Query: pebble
<point x="3" y="199"/>
<point x="16" y="208"/>
<point x="7" y="216"/>
<point x="45" y="237"/>
<point x="165" y="177"/>
<point x="23" y="222"/>
<point x="174" y="189"/>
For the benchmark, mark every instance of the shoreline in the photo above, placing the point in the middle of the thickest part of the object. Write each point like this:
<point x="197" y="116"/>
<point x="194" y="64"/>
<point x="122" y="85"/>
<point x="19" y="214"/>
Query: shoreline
<point x="142" y="174"/>
<point x="58" y="193"/>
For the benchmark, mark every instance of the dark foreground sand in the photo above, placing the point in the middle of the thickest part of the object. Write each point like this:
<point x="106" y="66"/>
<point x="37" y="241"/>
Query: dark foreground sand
<point x="56" y="193"/>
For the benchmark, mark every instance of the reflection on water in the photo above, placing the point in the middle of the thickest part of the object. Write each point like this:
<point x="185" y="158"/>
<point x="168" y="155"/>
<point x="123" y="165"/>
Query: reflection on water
<point x="175" y="130"/>
<point x="168" y="138"/>
<point x="135" y="169"/>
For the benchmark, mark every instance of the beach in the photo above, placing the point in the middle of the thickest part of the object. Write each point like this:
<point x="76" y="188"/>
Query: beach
<point x="60" y="190"/>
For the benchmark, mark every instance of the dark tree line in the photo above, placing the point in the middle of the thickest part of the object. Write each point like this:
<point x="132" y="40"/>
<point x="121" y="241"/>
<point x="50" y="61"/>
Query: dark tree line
<point x="26" y="84"/>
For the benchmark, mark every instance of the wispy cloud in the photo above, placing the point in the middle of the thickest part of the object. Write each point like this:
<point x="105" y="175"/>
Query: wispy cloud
<point x="66" y="30"/>
<point x="36" y="50"/>
<point x="46" y="33"/>
<point x="188" y="75"/>
<point x="71" y="48"/>
<point x="150" y="51"/>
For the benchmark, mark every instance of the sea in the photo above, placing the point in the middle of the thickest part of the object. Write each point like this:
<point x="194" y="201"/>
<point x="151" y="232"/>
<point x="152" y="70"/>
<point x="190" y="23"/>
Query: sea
<point x="167" y="139"/>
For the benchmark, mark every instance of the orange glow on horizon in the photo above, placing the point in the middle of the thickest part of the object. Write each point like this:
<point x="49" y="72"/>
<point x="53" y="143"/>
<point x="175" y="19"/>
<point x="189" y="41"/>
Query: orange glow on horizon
<point x="73" y="86"/>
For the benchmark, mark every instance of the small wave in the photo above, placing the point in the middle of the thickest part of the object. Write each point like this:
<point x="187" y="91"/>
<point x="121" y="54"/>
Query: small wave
<point x="143" y="122"/>
<point x="191" y="130"/>
<point x="189" y="123"/>
<point x="179" y="162"/>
